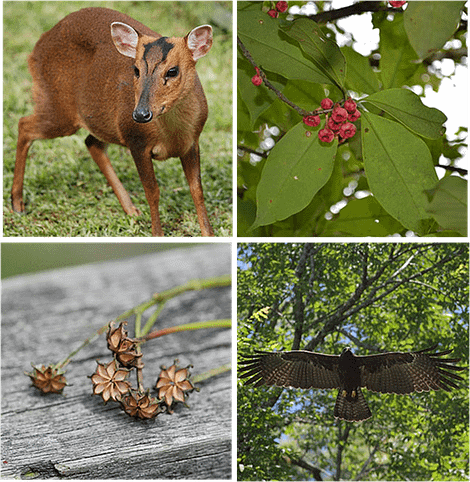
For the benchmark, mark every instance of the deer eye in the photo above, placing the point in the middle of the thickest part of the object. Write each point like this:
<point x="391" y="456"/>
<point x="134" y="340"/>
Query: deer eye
<point x="136" y="72"/>
<point x="173" y="72"/>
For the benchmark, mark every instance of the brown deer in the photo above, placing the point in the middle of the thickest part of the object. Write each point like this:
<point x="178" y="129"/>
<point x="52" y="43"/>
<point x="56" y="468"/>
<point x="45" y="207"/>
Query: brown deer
<point x="126" y="84"/>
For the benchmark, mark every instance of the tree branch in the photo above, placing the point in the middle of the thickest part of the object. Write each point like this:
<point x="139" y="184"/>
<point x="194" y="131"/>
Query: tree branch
<point x="354" y="9"/>
<point x="454" y="54"/>
<point x="279" y="94"/>
<point x="459" y="170"/>
<point x="315" y="471"/>
<point x="264" y="155"/>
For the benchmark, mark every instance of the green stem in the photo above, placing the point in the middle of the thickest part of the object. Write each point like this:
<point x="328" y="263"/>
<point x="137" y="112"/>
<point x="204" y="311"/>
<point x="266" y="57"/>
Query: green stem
<point x="93" y="337"/>
<point x="164" y="296"/>
<point x="139" y="372"/>
<point x="211" y="373"/>
<point x="140" y="365"/>
<point x="157" y="298"/>
<point x="137" y="325"/>
<point x="153" y="318"/>
<point x="199" y="325"/>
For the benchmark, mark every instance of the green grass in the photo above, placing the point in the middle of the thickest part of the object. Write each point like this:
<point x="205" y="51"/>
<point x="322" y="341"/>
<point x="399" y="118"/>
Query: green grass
<point x="64" y="191"/>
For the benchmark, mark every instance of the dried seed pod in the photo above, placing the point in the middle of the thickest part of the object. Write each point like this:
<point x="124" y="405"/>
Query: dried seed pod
<point x="129" y="358"/>
<point x="124" y="348"/>
<point x="173" y="385"/>
<point x="109" y="381"/>
<point x="116" y="335"/>
<point x="47" y="379"/>
<point x="141" y="405"/>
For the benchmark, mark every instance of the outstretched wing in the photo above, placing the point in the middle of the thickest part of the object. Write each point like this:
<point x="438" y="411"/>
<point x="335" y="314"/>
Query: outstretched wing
<point x="419" y="371"/>
<point x="299" y="369"/>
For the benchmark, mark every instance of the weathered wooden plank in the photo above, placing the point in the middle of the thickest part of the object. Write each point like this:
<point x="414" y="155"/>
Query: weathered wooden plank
<point x="46" y="316"/>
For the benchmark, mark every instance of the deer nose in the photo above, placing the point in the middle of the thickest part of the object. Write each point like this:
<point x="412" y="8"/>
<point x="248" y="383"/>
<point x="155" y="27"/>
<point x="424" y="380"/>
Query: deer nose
<point x="142" y="115"/>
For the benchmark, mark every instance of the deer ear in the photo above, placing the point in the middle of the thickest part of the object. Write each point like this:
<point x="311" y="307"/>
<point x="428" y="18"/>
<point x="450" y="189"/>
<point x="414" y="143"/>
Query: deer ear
<point x="199" y="41"/>
<point x="125" y="39"/>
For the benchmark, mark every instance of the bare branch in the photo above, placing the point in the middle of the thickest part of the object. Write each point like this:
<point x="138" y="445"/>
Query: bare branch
<point x="264" y="155"/>
<point x="354" y="9"/>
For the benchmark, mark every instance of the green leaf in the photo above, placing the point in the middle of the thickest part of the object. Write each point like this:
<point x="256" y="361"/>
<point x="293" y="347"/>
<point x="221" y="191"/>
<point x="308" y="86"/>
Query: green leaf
<point x="243" y="113"/>
<point x="399" y="169"/>
<point x="324" y="52"/>
<point x="307" y="95"/>
<point x="430" y="24"/>
<point x="448" y="204"/>
<point x="408" y="109"/>
<point x="363" y="217"/>
<point x="256" y="98"/>
<point x="273" y="50"/>
<point x="246" y="214"/>
<point x="359" y="74"/>
<point x="397" y="57"/>
<point x="298" y="166"/>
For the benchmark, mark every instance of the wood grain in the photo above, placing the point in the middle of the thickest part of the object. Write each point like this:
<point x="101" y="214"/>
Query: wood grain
<point x="74" y="435"/>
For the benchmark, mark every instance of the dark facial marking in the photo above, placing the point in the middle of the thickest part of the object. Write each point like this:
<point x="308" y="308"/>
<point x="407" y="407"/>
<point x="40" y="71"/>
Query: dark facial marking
<point x="161" y="45"/>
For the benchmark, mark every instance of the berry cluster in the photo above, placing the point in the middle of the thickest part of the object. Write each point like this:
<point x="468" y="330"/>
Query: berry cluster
<point x="339" y="123"/>
<point x="280" y="7"/>
<point x="397" y="3"/>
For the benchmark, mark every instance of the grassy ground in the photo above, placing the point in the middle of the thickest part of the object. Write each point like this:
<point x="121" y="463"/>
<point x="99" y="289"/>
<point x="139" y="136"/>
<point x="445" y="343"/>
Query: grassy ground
<point x="65" y="193"/>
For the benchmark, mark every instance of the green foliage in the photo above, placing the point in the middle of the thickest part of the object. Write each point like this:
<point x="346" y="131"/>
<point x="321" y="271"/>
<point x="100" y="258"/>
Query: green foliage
<point x="388" y="150"/>
<point x="298" y="168"/>
<point x="324" y="53"/>
<point x="394" y="154"/>
<point x="424" y="27"/>
<point x="408" y="109"/>
<point x="448" y="204"/>
<point x="372" y="297"/>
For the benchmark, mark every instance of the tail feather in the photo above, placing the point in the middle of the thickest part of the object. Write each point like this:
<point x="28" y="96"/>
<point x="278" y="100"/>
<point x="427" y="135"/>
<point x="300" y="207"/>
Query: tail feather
<point x="352" y="409"/>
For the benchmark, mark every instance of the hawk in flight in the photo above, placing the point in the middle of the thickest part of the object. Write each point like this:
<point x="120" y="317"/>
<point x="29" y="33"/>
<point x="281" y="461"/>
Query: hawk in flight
<point x="419" y="371"/>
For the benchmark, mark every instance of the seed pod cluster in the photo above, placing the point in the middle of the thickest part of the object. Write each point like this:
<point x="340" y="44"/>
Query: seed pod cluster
<point x="110" y="381"/>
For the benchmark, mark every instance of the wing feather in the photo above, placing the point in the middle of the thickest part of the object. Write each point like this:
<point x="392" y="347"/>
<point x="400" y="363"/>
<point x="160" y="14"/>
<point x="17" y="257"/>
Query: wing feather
<point x="298" y="368"/>
<point x="419" y="371"/>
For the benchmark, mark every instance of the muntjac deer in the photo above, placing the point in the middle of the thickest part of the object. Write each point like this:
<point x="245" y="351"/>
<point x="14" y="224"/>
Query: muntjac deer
<point x="127" y="85"/>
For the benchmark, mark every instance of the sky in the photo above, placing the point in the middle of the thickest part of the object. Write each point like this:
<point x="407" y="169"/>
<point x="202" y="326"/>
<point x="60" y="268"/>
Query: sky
<point x="453" y="92"/>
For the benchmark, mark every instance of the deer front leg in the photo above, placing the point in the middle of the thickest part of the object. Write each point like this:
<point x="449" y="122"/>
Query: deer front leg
<point x="192" y="171"/>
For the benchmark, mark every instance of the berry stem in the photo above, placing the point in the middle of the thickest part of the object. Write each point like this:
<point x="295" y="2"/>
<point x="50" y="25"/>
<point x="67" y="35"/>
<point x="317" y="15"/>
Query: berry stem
<point x="280" y="95"/>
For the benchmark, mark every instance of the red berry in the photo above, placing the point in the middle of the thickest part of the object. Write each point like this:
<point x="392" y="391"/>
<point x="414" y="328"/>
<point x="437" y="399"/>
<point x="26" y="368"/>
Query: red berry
<point x="396" y="4"/>
<point x="350" y="105"/>
<point x="326" y="103"/>
<point x="333" y="125"/>
<point x="311" y="120"/>
<point x="326" y="135"/>
<point x="272" y="13"/>
<point x="354" y="116"/>
<point x="339" y="114"/>
<point x="256" y="80"/>
<point x="347" y="130"/>
<point x="282" y="6"/>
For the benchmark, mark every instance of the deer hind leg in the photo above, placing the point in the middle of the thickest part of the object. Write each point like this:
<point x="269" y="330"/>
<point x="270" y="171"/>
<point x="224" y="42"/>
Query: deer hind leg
<point x="31" y="128"/>
<point x="192" y="171"/>
<point x="97" y="151"/>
